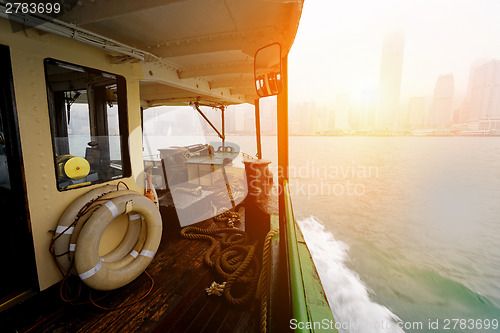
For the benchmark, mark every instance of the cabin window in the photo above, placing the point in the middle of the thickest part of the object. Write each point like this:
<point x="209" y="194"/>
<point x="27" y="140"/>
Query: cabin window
<point x="88" y="117"/>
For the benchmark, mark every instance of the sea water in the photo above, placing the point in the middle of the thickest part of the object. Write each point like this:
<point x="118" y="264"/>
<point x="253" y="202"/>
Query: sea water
<point x="404" y="231"/>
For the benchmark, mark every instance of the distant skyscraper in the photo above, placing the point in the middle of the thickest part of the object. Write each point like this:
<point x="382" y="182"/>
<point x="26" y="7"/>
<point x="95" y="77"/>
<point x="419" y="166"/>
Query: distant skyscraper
<point x="330" y="118"/>
<point x="484" y="96"/>
<point x="464" y="111"/>
<point x="322" y="119"/>
<point x="268" y="116"/>
<point x="342" y="109"/>
<point x="391" y="67"/>
<point x="293" y="118"/>
<point x="441" y="115"/>
<point x="301" y="118"/>
<point x="367" y="109"/>
<point x="415" y="117"/>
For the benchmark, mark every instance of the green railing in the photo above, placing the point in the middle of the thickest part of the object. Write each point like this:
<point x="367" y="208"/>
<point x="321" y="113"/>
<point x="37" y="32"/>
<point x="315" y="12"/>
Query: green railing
<point x="310" y="309"/>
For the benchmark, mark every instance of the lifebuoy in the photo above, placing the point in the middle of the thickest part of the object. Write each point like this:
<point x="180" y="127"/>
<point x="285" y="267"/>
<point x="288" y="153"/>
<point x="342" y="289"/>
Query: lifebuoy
<point x="128" y="242"/>
<point x="229" y="149"/>
<point x="127" y="259"/>
<point x="64" y="230"/>
<point x="94" y="270"/>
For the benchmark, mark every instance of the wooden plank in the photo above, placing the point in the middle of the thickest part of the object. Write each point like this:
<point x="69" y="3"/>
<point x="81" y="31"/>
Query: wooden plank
<point x="178" y="302"/>
<point x="248" y="323"/>
<point x="175" y="318"/>
<point x="177" y="290"/>
<point x="168" y="269"/>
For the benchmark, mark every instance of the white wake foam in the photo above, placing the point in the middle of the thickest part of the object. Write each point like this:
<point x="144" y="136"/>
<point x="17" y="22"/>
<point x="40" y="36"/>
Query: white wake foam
<point x="346" y="293"/>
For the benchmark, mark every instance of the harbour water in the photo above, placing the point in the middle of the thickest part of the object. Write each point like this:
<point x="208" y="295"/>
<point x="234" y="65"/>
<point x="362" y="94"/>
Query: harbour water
<point x="402" y="229"/>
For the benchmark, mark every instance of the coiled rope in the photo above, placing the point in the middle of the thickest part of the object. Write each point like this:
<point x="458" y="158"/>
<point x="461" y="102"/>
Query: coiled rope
<point x="229" y="217"/>
<point x="236" y="262"/>
<point x="264" y="279"/>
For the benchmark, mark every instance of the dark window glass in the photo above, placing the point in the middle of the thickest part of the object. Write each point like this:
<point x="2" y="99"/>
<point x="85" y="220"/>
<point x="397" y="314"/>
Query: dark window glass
<point x="88" y="123"/>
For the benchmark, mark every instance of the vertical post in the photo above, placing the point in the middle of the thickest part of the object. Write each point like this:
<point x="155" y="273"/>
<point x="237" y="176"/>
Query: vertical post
<point x="284" y="266"/>
<point x="222" y="109"/>
<point x="257" y="128"/>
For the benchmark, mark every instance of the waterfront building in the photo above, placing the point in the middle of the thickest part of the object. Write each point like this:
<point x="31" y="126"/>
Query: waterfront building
<point x="391" y="68"/>
<point x="441" y="115"/>
<point x="484" y="96"/>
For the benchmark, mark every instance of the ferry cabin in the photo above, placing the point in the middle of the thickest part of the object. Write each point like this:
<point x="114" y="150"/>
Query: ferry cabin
<point x="116" y="59"/>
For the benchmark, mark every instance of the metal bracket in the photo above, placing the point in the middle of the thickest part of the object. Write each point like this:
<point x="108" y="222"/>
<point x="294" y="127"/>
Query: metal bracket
<point x="196" y="106"/>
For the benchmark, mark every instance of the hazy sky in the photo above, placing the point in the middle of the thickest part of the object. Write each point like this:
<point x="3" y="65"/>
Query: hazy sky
<point x="338" y="45"/>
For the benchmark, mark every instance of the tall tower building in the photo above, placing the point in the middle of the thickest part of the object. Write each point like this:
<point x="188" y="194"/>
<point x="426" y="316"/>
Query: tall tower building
<point x="443" y="101"/>
<point x="484" y="96"/>
<point x="391" y="68"/>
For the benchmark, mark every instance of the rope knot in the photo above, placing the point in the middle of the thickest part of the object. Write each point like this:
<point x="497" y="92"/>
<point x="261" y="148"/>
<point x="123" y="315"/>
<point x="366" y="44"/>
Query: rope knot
<point x="230" y="223"/>
<point x="215" y="289"/>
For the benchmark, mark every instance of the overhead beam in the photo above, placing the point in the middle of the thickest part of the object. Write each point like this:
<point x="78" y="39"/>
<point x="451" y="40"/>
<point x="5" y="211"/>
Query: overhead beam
<point x="242" y="90"/>
<point x="189" y="96"/>
<point x="247" y="41"/>
<point x="167" y="95"/>
<point x="190" y="99"/>
<point x="156" y="73"/>
<point x="252" y="97"/>
<point x="88" y="11"/>
<point x="152" y="90"/>
<point x="231" y="82"/>
<point x="166" y="100"/>
<point x="216" y="69"/>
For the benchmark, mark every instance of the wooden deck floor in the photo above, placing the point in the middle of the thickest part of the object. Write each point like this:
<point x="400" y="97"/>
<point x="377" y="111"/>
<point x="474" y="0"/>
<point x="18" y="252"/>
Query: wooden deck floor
<point x="177" y="303"/>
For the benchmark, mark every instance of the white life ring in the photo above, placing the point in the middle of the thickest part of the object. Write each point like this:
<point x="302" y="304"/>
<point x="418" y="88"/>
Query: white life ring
<point x="130" y="239"/>
<point x="64" y="230"/>
<point x="94" y="270"/>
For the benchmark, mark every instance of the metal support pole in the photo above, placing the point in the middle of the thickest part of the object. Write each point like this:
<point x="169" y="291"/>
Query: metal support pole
<point x="257" y="128"/>
<point x="284" y="266"/>
<point x="222" y="109"/>
<point x="221" y="135"/>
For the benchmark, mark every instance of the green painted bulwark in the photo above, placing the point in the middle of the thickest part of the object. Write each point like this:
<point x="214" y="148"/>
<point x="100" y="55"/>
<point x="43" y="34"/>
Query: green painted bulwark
<point x="310" y="308"/>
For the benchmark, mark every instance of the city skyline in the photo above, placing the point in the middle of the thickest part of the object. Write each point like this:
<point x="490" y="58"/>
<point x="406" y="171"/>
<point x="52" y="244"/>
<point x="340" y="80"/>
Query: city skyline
<point x="342" y="45"/>
<point x="338" y="46"/>
<point x="383" y="108"/>
<point x="478" y="110"/>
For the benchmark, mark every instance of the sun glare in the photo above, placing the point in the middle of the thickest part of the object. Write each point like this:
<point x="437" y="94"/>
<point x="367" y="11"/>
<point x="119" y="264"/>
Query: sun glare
<point x="338" y="47"/>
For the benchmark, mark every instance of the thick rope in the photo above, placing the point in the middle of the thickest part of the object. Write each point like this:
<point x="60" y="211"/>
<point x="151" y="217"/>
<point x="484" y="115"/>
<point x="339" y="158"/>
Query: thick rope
<point x="263" y="287"/>
<point x="229" y="217"/>
<point x="208" y="235"/>
<point x="236" y="263"/>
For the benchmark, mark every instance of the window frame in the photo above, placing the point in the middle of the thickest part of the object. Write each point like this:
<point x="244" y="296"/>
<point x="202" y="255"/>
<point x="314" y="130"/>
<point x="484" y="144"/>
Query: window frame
<point x="123" y="122"/>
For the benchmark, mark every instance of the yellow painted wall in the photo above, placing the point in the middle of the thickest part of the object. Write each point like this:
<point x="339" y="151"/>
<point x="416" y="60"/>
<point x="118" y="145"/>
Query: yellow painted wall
<point x="46" y="203"/>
